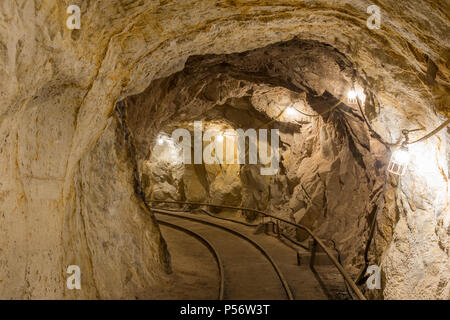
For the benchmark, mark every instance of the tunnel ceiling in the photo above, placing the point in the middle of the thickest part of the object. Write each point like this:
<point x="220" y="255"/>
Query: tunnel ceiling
<point x="248" y="89"/>
<point x="405" y="62"/>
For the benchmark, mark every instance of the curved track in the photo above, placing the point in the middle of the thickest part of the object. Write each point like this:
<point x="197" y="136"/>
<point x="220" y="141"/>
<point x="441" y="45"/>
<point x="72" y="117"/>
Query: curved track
<point x="262" y="279"/>
<point x="210" y="247"/>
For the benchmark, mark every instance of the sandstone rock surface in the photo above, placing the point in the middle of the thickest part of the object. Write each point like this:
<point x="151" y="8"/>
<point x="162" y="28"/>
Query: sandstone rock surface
<point x="57" y="95"/>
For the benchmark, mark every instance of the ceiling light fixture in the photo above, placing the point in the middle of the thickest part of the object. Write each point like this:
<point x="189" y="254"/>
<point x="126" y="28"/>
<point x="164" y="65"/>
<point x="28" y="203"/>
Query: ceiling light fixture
<point x="163" y="138"/>
<point x="290" y="111"/>
<point x="400" y="157"/>
<point x="399" y="161"/>
<point x="351" y="97"/>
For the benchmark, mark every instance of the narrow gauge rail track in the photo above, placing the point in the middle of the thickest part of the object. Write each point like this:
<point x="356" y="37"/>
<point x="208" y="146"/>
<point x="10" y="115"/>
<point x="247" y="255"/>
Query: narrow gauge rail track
<point x="211" y="249"/>
<point x="316" y="240"/>
<point x="230" y="265"/>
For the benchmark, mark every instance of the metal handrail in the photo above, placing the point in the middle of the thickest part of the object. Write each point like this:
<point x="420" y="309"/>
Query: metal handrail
<point x="317" y="240"/>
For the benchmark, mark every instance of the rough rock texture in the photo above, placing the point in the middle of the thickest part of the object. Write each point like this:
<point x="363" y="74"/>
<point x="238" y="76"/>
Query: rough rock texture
<point x="161" y="176"/>
<point x="329" y="178"/>
<point x="338" y="183"/>
<point x="58" y="89"/>
<point x="115" y="243"/>
<point x="412" y="242"/>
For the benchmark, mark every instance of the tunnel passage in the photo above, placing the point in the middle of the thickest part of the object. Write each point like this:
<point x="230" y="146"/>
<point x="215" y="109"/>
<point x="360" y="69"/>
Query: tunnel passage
<point x="66" y="193"/>
<point x="331" y="169"/>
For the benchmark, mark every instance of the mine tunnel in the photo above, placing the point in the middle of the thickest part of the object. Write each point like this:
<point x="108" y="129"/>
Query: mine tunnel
<point x="226" y="151"/>
<point x="329" y="171"/>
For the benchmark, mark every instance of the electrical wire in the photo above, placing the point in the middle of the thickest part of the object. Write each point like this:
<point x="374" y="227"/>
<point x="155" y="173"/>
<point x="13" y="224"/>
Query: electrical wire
<point x="405" y="132"/>
<point x="406" y="142"/>
<point x="274" y="119"/>
<point x="432" y="133"/>
<point x="375" y="134"/>
<point x="305" y="114"/>
<point x="322" y="113"/>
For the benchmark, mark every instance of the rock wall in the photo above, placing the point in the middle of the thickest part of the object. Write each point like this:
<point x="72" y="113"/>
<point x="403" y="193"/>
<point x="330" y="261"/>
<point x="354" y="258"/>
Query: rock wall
<point x="115" y="242"/>
<point x="59" y="87"/>
<point x="413" y="227"/>
<point x="338" y="180"/>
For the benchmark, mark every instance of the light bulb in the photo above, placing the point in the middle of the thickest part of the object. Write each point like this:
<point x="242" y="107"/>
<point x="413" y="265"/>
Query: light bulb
<point x="220" y="138"/>
<point x="361" y="97"/>
<point x="399" y="161"/>
<point x="164" y="138"/>
<point x="401" y="156"/>
<point x="290" y="111"/>
<point x="351" y="95"/>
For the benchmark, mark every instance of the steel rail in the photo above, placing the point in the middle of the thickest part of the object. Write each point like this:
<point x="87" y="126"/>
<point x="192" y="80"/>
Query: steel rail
<point x="228" y="219"/>
<point x="239" y="234"/>
<point x="210" y="247"/>
<point x="317" y="240"/>
<point x="216" y="217"/>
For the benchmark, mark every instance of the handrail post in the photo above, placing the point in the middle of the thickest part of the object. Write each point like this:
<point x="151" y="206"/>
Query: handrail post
<point x="278" y="229"/>
<point x="313" y="253"/>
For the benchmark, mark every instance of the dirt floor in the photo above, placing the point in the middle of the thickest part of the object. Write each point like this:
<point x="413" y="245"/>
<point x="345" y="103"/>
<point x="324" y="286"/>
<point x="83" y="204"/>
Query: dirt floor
<point x="195" y="275"/>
